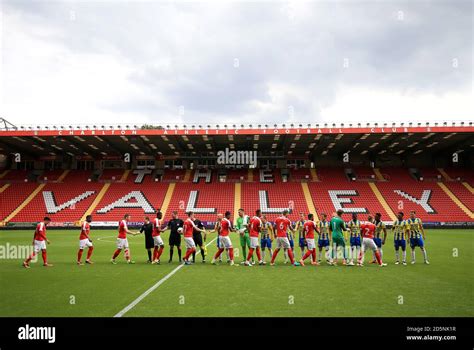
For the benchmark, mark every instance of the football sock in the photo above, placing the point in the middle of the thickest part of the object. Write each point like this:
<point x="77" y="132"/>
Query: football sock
<point x="290" y="255"/>
<point x="127" y="254"/>
<point x="44" y="255"/>
<point x="381" y="253"/>
<point x="160" y="251"/>
<point x="425" y="254"/>
<point x="244" y="251"/>
<point x="116" y="253"/>
<point x="189" y="252"/>
<point x="179" y="253"/>
<point x="413" y="255"/>
<point x="155" y="253"/>
<point x="194" y="256"/>
<point x="263" y="254"/>
<point x="313" y="255"/>
<point x="404" y="255"/>
<point x="285" y="253"/>
<point x="79" y="255"/>
<point x="275" y="253"/>
<point x="378" y="257"/>
<point x="259" y="254"/>
<point x="203" y="253"/>
<point x="30" y="257"/>
<point x="249" y="256"/>
<point x="218" y="253"/>
<point x="361" y="256"/>
<point x="397" y="255"/>
<point x="231" y="253"/>
<point x="89" y="252"/>
<point x="307" y="254"/>
<point x="171" y="252"/>
<point x="149" y="254"/>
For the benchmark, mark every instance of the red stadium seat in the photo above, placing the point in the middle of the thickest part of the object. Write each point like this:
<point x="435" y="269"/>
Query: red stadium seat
<point x="70" y="199"/>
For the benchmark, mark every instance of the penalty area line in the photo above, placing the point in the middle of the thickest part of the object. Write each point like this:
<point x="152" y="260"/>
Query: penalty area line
<point x="153" y="287"/>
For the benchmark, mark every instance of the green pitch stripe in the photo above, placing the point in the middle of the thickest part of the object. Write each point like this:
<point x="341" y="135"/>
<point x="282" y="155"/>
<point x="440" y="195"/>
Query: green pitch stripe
<point x="152" y="288"/>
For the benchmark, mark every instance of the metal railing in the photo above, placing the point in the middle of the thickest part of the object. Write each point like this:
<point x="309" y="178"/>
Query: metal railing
<point x="5" y="125"/>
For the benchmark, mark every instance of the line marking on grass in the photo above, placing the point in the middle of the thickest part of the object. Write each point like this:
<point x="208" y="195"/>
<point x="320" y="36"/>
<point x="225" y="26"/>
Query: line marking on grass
<point x="153" y="287"/>
<point x="104" y="240"/>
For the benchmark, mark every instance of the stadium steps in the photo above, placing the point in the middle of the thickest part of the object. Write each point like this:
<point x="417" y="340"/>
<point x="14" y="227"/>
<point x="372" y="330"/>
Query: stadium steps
<point x="187" y="175"/>
<point x="4" y="187"/>
<point x="63" y="176"/>
<point x="2" y="175"/>
<point x="309" y="200"/>
<point x="237" y="197"/>
<point x="25" y="202"/>
<point x="469" y="187"/>
<point x="125" y="175"/>
<point x="378" y="174"/>
<point x="167" y="199"/>
<point x="462" y="193"/>
<point x="444" y="174"/>
<point x="314" y="175"/>
<point x="382" y="201"/>
<point x="96" y="201"/>
<point x="456" y="200"/>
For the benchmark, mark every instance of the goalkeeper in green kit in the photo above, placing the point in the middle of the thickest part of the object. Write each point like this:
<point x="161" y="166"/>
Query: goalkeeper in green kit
<point x="241" y="224"/>
<point x="337" y="226"/>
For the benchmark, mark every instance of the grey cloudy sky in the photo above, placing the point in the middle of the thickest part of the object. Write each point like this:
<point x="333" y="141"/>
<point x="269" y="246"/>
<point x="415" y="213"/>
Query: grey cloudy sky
<point x="220" y="61"/>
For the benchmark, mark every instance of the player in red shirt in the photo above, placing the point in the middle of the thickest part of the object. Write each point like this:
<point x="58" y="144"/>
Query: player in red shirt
<point x="225" y="227"/>
<point x="367" y="230"/>
<point x="122" y="241"/>
<point x="309" y="228"/>
<point x="282" y="224"/>
<point x="39" y="243"/>
<point x="255" y="227"/>
<point x="188" y="230"/>
<point x="157" y="240"/>
<point x="85" y="241"/>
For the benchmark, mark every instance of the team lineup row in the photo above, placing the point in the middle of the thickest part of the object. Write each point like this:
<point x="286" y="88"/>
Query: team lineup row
<point x="258" y="234"/>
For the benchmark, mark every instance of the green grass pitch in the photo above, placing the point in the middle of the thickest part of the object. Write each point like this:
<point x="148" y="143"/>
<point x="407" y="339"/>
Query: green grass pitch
<point x="443" y="288"/>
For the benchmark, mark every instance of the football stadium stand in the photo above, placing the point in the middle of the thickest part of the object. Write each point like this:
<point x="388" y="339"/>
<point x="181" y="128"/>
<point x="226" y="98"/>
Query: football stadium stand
<point x="68" y="196"/>
<point x="68" y="172"/>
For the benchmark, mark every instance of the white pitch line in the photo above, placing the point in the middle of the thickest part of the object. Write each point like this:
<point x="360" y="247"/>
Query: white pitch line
<point x="153" y="287"/>
<point x="104" y="240"/>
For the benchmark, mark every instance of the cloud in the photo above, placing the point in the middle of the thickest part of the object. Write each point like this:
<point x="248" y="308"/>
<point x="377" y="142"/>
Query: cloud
<point x="233" y="62"/>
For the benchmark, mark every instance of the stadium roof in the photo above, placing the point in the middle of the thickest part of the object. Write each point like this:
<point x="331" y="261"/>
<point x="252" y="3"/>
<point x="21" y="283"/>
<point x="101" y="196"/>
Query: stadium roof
<point x="297" y="140"/>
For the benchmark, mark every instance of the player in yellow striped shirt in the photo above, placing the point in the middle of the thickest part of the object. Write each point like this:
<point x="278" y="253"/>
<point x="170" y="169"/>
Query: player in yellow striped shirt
<point x="417" y="236"/>
<point x="399" y="238"/>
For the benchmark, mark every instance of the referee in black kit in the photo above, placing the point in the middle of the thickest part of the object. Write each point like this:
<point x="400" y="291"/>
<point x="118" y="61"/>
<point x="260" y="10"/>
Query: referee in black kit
<point x="147" y="229"/>
<point x="175" y="237"/>
<point x="197" y="237"/>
